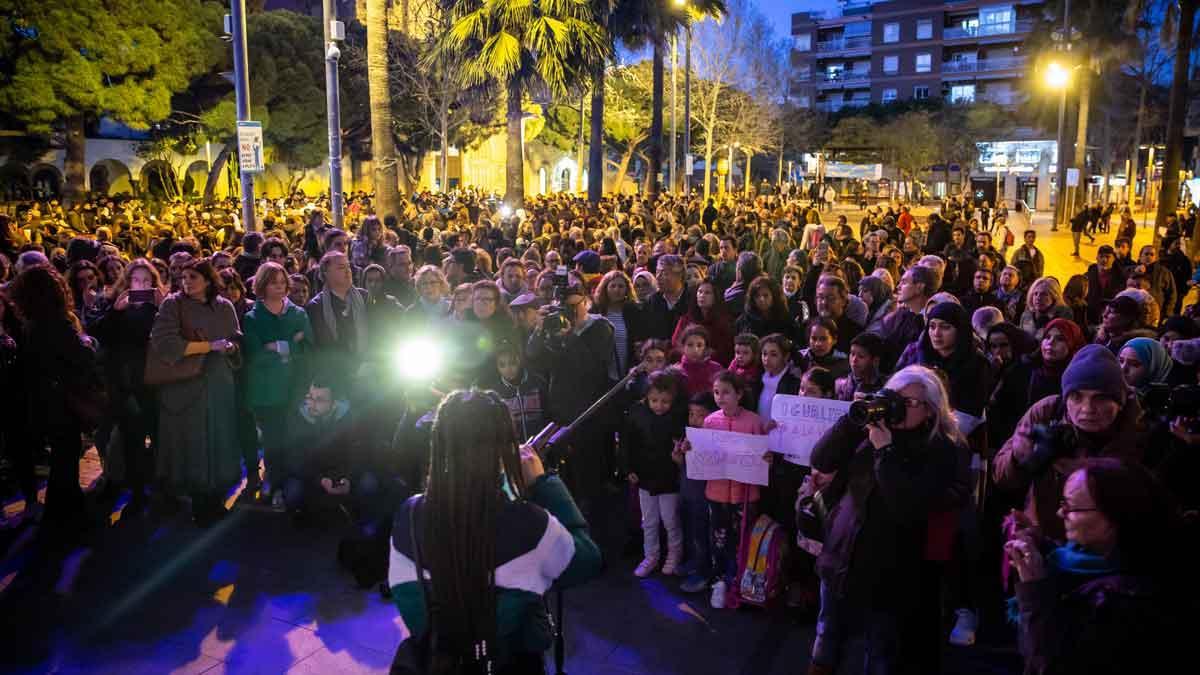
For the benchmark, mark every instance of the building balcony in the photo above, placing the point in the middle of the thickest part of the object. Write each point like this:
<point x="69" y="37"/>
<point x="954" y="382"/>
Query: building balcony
<point x="843" y="79"/>
<point x="987" y="30"/>
<point x="983" y="65"/>
<point x="835" y="106"/>
<point x="843" y="44"/>
<point x="1006" y="98"/>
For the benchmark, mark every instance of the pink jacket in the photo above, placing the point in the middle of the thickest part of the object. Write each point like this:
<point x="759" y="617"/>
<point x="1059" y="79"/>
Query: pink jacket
<point x="730" y="491"/>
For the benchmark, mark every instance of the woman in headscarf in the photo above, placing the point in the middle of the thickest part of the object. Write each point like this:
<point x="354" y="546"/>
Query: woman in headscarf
<point x="948" y="344"/>
<point x="1144" y="362"/>
<point x="1033" y="377"/>
<point x="1007" y="345"/>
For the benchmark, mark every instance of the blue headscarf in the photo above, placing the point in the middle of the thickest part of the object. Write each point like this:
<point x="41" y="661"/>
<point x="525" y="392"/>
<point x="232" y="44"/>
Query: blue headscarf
<point x="1154" y="356"/>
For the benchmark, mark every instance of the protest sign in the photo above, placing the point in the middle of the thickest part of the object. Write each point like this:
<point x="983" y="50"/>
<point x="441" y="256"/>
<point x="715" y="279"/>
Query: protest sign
<point x="799" y="422"/>
<point x="729" y="455"/>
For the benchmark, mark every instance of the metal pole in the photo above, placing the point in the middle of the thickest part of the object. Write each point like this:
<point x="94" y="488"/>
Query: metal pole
<point x="674" y="116"/>
<point x="687" y="111"/>
<point x="241" y="90"/>
<point x="579" y="186"/>
<point x="333" y="113"/>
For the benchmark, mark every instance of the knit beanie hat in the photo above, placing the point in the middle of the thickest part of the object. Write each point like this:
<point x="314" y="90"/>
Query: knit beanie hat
<point x="1095" y="367"/>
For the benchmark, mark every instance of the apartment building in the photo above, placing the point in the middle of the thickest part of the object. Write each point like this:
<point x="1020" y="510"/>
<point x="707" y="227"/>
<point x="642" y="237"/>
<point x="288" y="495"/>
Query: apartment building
<point x="896" y="50"/>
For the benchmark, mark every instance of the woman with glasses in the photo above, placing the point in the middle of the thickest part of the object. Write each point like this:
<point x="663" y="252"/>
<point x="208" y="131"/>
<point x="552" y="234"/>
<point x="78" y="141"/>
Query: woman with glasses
<point x="1111" y="600"/>
<point x="881" y="492"/>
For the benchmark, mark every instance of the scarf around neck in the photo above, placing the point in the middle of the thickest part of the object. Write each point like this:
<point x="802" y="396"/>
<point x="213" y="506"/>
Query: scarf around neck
<point x="358" y="314"/>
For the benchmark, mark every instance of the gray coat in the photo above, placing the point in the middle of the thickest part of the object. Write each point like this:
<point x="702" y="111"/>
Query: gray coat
<point x="198" y="445"/>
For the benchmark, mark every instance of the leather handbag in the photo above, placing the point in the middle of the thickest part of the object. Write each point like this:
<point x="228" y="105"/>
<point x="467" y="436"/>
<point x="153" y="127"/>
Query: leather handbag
<point x="159" y="372"/>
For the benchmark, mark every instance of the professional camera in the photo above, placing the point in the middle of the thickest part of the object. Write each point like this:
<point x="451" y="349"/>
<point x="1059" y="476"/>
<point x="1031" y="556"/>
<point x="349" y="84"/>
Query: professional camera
<point x="556" y="320"/>
<point x="885" y="405"/>
<point x="1057" y="435"/>
<point x="1166" y="403"/>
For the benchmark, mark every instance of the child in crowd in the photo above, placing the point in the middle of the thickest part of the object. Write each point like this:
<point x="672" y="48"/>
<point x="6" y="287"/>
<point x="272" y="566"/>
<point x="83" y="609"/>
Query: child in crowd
<point x="648" y="439"/>
<point x="821" y="350"/>
<point x="866" y="353"/>
<point x="698" y="369"/>
<point x="522" y="391"/>
<point x="817" y="382"/>
<point x="745" y="357"/>
<point x="695" y="506"/>
<point x="729" y="502"/>
<point x="654" y="355"/>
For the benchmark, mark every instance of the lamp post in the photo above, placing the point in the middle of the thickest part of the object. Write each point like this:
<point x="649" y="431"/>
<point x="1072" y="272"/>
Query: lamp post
<point x="1058" y="77"/>
<point x="241" y="89"/>
<point x="674" y="117"/>
<point x="333" y="111"/>
<point x="729" y="176"/>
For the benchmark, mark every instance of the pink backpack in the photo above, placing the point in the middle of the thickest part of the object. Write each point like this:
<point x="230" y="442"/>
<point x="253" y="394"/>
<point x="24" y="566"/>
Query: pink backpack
<point x="760" y="564"/>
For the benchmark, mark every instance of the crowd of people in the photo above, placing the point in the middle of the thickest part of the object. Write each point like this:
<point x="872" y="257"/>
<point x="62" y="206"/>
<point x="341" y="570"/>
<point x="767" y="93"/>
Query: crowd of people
<point x="1041" y="449"/>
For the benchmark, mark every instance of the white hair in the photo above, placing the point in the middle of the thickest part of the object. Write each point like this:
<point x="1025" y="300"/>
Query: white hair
<point x="945" y="424"/>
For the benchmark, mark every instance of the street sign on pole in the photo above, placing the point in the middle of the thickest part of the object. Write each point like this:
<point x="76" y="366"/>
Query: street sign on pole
<point x="250" y="147"/>
<point x="1072" y="177"/>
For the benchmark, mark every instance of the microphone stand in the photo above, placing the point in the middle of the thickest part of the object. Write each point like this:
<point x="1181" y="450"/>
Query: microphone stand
<point x="551" y="443"/>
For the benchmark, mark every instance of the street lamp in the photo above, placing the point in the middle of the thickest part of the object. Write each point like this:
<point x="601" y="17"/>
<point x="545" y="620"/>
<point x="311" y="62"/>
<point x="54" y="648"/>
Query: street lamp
<point x="1057" y="76"/>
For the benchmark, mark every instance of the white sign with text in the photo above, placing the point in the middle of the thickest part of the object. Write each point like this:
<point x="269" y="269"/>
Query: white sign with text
<point x="717" y="455"/>
<point x="799" y="422"/>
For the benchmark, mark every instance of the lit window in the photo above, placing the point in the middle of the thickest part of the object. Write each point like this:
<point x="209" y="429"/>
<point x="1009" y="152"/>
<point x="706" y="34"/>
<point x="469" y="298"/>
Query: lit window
<point x="925" y="29"/>
<point x="891" y="64"/>
<point x="924" y="63"/>
<point x="891" y="32"/>
<point x="803" y="42"/>
<point x="920" y="92"/>
<point x="962" y="93"/>
<point x="889" y="95"/>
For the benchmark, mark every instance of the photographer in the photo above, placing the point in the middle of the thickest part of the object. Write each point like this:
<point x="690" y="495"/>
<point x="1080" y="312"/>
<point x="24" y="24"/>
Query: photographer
<point x="1096" y="416"/>
<point x="491" y="534"/>
<point x="883" y="491"/>
<point x="577" y="352"/>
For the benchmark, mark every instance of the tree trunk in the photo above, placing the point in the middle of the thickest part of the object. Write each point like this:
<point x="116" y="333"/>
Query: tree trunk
<point x="708" y="160"/>
<point x="444" y="159"/>
<point x="595" y="186"/>
<point x="622" y="170"/>
<point x="1079" y="193"/>
<point x="383" y="147"/>
<point x="1169" y="197"/>
<point x="214" y="173"/>
<point x="655" y="150"/>
<point x="514" y="161"/>
<point x="75" y="163"/>
<point x="749" y="157"/>
<point x="1135" y="154"/>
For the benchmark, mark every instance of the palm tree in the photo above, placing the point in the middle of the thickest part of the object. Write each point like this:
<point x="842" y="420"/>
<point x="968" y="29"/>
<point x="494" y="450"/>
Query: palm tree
<point x="1181" y="20"/>
<point x="383" y="146"/>
<point x="519" y="43"/>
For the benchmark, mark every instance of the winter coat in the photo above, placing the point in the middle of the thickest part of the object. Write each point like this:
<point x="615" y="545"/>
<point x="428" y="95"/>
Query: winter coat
<point x="1024" y="464"/>
<point x="270" y="380"/>
<point x="580" y="365"/>
<point x="646" y="444"/>
<point x="526" y="400"/>
<point x="657" y="319"/>
<point x="1097" y="297"/>
<point x="878" y="522"/>
<point x="760" y="326"/>
<point x="720" y="334"/>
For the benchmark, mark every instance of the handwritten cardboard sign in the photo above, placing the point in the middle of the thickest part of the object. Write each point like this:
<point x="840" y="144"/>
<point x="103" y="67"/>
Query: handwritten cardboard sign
<point x="800" y="421"/>
<point x="717" y="455"/>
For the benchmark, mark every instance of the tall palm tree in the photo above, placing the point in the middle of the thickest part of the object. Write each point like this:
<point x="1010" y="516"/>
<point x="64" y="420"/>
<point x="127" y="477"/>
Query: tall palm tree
<point x="519" y="43"/>
<point x="383" y="145"/>
<point x="1179" y="29"/>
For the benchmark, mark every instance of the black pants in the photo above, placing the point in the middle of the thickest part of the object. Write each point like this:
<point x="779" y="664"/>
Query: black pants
<point x="136" y="420"/>
<point x="64" y="498"/>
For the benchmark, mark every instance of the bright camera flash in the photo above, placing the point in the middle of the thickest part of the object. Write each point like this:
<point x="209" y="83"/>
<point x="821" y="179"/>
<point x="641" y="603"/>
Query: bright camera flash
<point x="418" y="358"/>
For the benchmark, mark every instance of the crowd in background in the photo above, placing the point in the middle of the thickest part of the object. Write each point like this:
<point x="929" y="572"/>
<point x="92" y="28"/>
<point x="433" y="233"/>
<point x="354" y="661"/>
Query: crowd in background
<point x="1045" y="453"/>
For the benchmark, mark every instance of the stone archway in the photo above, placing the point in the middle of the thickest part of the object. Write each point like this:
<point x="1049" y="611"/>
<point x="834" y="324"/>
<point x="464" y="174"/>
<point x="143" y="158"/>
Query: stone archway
<point x="46" y="181"/>
<point x="109" y="177"/>
<point x="158" y="180"/>
<point x="14" y="182"/>
<point x="194" y="178"/>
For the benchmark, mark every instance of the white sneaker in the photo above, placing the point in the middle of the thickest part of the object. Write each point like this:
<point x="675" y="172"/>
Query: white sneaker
<point x="671" y="567"/>
<point x="718" y="595"/>
<point x="963" y="633"/>
<point x="646" y="568"/>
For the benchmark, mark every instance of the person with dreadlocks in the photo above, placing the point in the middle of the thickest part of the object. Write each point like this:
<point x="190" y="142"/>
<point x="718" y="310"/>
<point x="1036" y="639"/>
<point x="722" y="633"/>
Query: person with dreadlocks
<point x="479" y="607"/>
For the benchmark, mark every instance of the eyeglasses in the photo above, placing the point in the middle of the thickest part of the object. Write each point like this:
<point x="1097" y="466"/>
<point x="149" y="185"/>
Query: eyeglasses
<point x="912" y="402"/>
<point x="1068" y="509"/>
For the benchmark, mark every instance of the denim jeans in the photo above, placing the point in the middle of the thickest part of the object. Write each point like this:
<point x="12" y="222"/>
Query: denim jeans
<point x="695" y="525"/>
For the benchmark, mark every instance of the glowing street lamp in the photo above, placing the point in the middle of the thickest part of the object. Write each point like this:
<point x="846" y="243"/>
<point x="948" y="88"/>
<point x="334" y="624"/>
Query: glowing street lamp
<point x="1057" y="76"/>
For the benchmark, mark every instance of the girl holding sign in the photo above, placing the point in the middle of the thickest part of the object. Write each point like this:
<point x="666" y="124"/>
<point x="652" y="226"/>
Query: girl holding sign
<point x="730" y="503"/>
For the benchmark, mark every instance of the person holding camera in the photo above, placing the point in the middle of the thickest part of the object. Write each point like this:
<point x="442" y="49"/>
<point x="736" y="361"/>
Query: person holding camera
<point x="471" y="557"/>
<point x="1095" y="416"/>
<point x="578" y="353"/>
<point x="882" y="492"/>
<point x="1111" y="600"/>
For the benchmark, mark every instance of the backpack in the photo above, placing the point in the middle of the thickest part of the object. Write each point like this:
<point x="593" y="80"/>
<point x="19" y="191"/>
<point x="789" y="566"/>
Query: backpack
<point x="760" y="564"/>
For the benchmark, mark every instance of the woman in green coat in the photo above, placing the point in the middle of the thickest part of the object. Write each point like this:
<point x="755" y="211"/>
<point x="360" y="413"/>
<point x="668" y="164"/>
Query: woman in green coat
<point x="275" y="334"/>
<point x="198" y="444"/>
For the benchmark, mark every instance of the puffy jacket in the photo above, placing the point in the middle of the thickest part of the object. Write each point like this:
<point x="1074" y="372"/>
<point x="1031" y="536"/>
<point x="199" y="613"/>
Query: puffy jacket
<point x="1023" y="464"/>
<point x="646" y="444"/>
